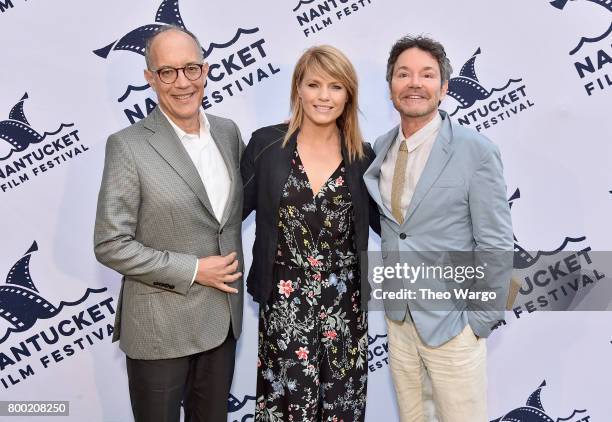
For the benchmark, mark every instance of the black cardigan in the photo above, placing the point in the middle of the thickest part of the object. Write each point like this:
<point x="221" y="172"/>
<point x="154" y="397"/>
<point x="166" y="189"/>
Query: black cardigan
<point x="265" y="167"/>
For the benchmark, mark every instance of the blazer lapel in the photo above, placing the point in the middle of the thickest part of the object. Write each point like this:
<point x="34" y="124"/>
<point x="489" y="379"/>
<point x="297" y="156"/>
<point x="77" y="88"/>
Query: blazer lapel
<point x="352" y="174"/>
<point x="168" y="145"/>
<point x="440" y="154"/>
<point x="372" y="175"/>
<point x="225" y="148"/>
<point x="282" y="168"/>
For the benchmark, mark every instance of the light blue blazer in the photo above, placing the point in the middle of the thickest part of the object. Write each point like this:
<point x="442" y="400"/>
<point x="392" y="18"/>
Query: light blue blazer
<point x="459" y="204"/>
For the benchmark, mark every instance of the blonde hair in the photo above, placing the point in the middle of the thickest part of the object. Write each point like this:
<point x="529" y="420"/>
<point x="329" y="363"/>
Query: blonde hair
<point x="325" y="59"/>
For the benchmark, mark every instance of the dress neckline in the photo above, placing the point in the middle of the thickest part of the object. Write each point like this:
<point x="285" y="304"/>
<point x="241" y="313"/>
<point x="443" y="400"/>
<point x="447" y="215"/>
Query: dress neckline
<point x="321" y="190"/>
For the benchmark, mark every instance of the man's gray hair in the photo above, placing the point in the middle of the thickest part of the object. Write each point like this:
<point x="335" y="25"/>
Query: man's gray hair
<point x="167" y="28"/>
<point x="424" y="43"/>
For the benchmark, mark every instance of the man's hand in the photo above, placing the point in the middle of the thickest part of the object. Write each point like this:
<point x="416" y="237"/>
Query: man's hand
<point x="217" y="271"/>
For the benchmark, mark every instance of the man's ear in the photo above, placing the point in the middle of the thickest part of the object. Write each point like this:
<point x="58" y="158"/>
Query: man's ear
<point x="150" y="77"/>
<point x="443" y="90"/>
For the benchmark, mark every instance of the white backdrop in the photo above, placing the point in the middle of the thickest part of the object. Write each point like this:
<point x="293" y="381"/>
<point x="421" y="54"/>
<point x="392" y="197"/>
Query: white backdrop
<point x="555" y="138"/>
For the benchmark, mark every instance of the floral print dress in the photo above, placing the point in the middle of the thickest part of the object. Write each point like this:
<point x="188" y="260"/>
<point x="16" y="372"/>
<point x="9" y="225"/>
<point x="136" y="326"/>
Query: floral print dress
<point x="312" y="356"/>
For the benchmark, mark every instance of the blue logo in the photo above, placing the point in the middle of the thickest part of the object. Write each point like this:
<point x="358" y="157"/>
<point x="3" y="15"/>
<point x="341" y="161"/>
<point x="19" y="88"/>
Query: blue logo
<point x="313" y="16"/>
<point x="19" y="163"/>
<point x="595" y="52"/>
<point x="533" y="411"/>
<point x="237" y="409"/>
<point x="234" y="66"/>
<point x="378" y="352"/>
<point x="136" y="40"/>
<point x="480" y="107"/>
<point x="17" y="132"/>
<point x="23" y="306"/>
<point x="524" y="259"/>
<point x="558" y="279"/>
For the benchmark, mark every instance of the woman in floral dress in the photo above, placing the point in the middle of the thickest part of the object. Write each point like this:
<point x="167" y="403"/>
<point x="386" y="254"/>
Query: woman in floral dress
<point x="304" y="180"/>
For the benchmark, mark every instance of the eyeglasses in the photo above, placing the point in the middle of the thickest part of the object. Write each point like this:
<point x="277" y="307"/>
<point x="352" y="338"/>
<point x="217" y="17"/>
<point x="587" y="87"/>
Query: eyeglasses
<point x="168" y="75"/>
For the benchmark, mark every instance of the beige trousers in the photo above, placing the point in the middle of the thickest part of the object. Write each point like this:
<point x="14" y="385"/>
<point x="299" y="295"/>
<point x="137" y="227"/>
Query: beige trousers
<point x="446" y="383"/>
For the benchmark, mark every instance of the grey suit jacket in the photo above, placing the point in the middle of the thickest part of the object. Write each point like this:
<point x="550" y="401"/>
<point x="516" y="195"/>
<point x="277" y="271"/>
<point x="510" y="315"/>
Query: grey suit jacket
<point x="153" y="221"/>
<point x="459" y="204"/>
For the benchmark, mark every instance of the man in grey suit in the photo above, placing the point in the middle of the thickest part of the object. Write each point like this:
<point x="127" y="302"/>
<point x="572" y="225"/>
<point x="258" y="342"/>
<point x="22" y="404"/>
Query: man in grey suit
<point x="440" y="190"/>
<point x="169" y="220"/>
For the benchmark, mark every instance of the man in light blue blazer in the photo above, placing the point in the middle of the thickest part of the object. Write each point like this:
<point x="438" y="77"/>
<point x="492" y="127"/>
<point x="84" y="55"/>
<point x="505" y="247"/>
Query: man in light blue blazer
<point x="440" y="189"/>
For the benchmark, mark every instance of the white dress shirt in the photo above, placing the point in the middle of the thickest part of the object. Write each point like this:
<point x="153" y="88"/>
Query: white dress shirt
<point x="419" y="148"/>
<point x="209" y="163"/>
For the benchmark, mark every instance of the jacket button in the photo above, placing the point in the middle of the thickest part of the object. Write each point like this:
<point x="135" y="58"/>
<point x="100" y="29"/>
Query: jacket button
<point x="221" y="231"/>
<point x="402" y="236"/>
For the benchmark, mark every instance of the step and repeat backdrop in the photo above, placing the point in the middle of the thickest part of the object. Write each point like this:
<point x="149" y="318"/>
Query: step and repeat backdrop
<point x="535" y="76"/>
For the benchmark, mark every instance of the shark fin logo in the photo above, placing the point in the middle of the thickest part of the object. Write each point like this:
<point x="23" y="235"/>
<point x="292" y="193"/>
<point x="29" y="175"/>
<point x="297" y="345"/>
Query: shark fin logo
<point x="533" y="411"/>
<point x="466" y="87"/>
<point x="21" y="303"/>
<point x="552" y="280"/>
<point x="18" y="134"/>
<point x="237" y="409"/>
<point x="524" y="259"/>
<point x="595" y="54"/>
<point x="230" y="72"/>
<point x="481" y="107"/>
<point x="136" y="40"/>
<point x="167" y="14"/>
<point x="17" y="130"/>
<point x="20" y="162"/>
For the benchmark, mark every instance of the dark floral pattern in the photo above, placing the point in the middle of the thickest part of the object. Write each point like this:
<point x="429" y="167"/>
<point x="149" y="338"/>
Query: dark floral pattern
<point x="312" y="360"/>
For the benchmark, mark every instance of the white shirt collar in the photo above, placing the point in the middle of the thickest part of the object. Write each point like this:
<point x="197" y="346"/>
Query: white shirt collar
<point x="421" y="135"/>
<point x="182" y="135"/>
